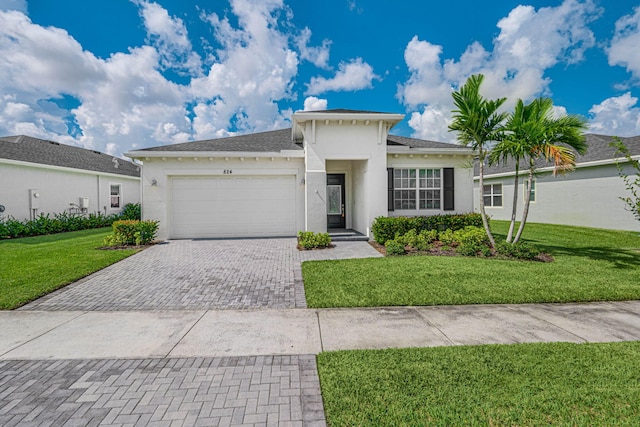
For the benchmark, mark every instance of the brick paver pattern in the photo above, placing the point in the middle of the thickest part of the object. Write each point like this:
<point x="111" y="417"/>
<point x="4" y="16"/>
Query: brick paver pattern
<point x="232" y="391"/>
<point x="202" y="274"/>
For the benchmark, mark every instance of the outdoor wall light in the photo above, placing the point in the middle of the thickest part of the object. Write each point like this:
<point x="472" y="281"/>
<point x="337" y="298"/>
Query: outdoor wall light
<point x="154" y="182"/>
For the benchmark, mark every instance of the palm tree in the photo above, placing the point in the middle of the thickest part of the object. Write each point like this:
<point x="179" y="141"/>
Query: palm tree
<point x="540" y="135"/>
<point x="477" y="122"/>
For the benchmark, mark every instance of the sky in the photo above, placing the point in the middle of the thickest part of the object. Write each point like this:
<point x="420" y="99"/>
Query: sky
<point x="120" y="75"/>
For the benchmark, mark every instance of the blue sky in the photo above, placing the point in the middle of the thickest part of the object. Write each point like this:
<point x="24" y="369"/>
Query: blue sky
<point x="117" y="75"/>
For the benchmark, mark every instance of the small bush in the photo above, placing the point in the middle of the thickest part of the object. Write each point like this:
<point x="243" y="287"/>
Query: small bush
<point x="472" y="241"/>
<point x="131" y="211"/>
<point x="447" y="237"/>
<point x="394" y="247"/>
<point x="311" y="240"/>
<point x="421" y="241"/>
<point x="51" y="224"/>
<point x="132" y="232"/>
<point x="387" y="228"/>
<point x="519" y="250"/>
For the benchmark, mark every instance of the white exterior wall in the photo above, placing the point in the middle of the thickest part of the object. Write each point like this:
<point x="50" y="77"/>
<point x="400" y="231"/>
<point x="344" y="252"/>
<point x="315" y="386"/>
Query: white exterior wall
<point x="362" y="141"/>
<point x="157" y="198"/>
<point x="463" y="180"/>
<point x="58" y="187"/>
<point x="586" y="197"/>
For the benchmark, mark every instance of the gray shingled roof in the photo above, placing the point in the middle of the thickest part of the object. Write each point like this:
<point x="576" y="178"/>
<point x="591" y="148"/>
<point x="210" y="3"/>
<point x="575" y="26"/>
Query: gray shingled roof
<point x="271" y="141"/>
<point x="421" y="143"/>
<point x="598" y="149"/>
<point x="27" y="149"/>
<point x="276" y="140"/>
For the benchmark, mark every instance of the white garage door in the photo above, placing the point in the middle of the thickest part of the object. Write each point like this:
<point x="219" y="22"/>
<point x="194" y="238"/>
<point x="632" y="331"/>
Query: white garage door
<point x="233" y="206"/>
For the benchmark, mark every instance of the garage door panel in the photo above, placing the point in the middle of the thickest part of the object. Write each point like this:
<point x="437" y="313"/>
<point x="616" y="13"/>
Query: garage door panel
<point x="239" y="206"/>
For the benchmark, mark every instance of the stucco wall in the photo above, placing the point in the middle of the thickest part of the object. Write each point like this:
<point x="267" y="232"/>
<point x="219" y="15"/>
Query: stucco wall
<point x="463" y="180"/>
<point x="58" y="187"/>
<point x="157" y="198"/>
<point x="586" y="197"/>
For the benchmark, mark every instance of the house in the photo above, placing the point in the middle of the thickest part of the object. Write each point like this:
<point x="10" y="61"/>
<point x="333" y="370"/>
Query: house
<point x="333" y="169"/>
<point x="588" y="196"/>
<point x="38" y="176"/>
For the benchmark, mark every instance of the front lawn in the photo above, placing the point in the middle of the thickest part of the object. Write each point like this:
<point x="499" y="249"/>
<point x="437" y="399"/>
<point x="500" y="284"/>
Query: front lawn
<point x="590" y="265"/>
<point x="557" y="384"/>
<point x="34" y="266"/>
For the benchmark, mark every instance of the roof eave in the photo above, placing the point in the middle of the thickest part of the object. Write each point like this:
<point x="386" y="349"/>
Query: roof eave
<point x="395" y="149"/>
<point x="141" y="155"/>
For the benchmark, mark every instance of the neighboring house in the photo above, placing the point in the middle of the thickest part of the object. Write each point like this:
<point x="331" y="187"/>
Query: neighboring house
<point x="38" y="176"/>
<point x="588" y="196"/>
<point x="333" y="169"/>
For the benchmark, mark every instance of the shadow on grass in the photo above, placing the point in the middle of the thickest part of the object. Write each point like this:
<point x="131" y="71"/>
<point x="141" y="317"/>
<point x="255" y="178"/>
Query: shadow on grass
<point x="619" y="258"/>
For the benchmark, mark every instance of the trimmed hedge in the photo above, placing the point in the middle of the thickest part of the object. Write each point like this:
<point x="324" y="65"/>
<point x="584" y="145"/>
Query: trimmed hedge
<point x="11" y="228"/>
<point x="311" y="240"/>
<point x="387" y="228"/>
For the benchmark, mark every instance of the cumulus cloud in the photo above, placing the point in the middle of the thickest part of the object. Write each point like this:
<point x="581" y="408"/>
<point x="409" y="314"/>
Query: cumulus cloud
<point x="125" y="101"/>
<point x="311" y="103"/>
<point x="616" y="116"/>
<point x="530" y="42"/>
<point x="351" y="76"/>
<point x="169" y="36"/>
<point x="623" y="50"/>
<point x="317" y="55"/>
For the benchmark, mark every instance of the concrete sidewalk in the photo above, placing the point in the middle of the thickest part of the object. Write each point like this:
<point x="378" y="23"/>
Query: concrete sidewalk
<point x="32" y="335"/>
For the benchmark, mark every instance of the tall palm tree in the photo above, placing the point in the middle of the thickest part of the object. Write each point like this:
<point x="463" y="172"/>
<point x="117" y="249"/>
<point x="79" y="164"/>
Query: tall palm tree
<point x="519" y="129"/>
<point x="477" y="122"/>
<point x="544" y="136"/>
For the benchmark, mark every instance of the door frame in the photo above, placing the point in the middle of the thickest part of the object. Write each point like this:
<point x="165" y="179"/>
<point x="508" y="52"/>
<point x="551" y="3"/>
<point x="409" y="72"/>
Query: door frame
<point x="342" y="181"/>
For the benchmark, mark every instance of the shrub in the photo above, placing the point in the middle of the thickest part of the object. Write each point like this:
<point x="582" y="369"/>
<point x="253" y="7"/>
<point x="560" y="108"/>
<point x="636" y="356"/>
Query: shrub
<point x="311" y="240"/>
<point x="420" y="241"/>
<point x="394" y="247"/>
<point x="387" y="228"/>
<point x="519" y="250"/>
<point x="131" y="211"/>
<point x="472" y="241"/>
<point x="47" y="224"/>
<point x="447" y="237"/>
<point x="132" y="232"/>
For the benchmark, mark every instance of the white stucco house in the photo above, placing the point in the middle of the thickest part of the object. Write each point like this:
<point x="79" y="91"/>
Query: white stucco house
<point x="588" y="196"/>
<point x="39" y="176"/>
<point x="333" y="169"/>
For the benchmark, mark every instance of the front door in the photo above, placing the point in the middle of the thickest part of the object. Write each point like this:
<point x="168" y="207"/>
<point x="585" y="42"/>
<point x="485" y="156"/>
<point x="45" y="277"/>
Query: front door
<point x="336" y="213"/>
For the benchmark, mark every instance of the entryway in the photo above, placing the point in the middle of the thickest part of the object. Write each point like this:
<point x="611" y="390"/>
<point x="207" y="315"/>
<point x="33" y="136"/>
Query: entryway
<point x="336" y="212"/>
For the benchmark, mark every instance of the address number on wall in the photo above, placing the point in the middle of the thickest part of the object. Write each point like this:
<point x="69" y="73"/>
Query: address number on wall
<point x="227" y="172"/>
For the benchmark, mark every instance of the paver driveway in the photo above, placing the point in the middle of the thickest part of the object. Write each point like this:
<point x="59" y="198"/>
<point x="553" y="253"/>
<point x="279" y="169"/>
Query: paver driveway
<point x="200" y="274"/>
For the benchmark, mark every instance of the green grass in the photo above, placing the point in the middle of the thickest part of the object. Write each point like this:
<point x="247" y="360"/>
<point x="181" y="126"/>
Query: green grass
<point x="590" y="265"/>
<point x="557" y="384"/>
<point x="34" y="266"/>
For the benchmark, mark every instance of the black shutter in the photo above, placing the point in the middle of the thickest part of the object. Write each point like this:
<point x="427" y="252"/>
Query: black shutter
<point x="448" y="187"/>
<point x="390" y="201"/>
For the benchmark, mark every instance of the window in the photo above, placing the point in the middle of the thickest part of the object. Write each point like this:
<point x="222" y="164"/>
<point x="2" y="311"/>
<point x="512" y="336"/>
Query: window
<point x="417" y="188"/>
<point x="492" y="194"/>
<point x="115" y="193"/>
<point x="532" y="195"/>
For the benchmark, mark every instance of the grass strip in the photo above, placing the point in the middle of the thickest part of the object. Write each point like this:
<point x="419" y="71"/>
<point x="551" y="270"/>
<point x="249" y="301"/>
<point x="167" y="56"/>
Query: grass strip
<point x="560" y="384"/>
<point x="34" y="266"/>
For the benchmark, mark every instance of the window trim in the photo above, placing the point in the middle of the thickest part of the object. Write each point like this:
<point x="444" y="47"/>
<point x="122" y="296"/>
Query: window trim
<point x="493" y="194"/>
<point x="418" y="189"/>
<point x="119" y="185"/>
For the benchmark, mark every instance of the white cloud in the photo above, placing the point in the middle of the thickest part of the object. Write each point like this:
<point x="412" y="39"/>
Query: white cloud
<point x="317" y="55"/>
<point x="351" y="76"/>
<point x="626" y="44"/>
<point x="432" y="124"/>
<point x="19" y="5"/>
<point x="530" y="42"/>
<point x="311" y="103"/>
<point x="169" y="36"/>
<point x="616" y="116"/>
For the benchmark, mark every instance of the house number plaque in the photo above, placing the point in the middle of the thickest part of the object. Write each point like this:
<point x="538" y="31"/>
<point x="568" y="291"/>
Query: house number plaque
<point x="227" y="172"/>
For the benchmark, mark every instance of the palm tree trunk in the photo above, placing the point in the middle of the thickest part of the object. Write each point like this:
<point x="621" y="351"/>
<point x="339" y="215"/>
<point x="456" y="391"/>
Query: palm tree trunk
<point x="512" y="225"/>
<point x="525" y="212"/>
<point x="483" y="214"/>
